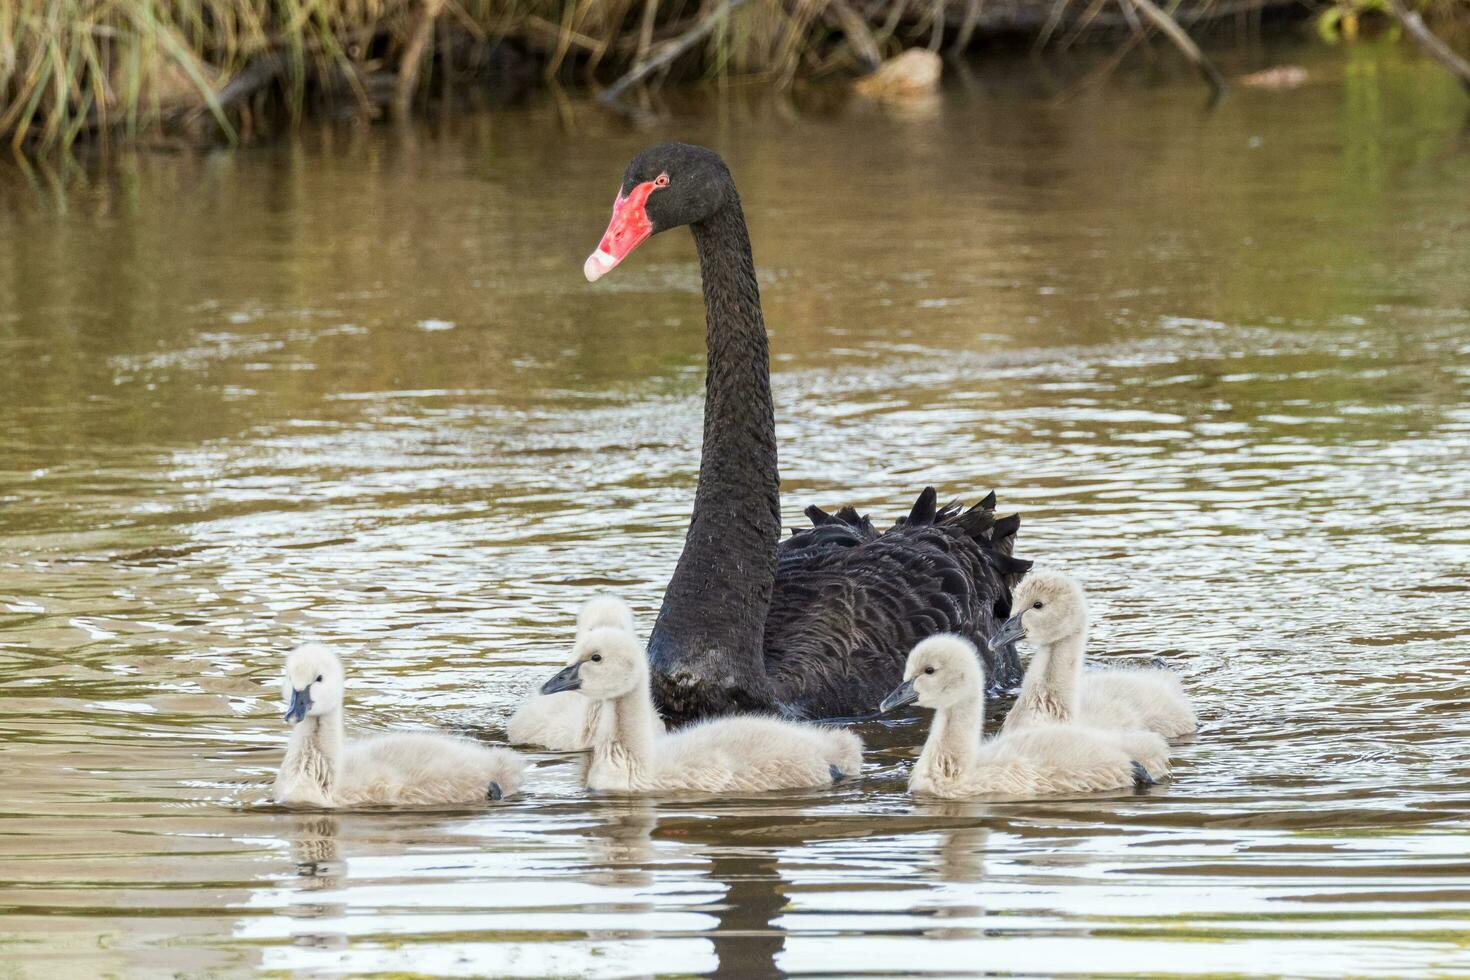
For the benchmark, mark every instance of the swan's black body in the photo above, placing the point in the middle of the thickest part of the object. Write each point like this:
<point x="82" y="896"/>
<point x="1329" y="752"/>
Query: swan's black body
<point x="817" y="626"/>
<point x="850" y="603"/>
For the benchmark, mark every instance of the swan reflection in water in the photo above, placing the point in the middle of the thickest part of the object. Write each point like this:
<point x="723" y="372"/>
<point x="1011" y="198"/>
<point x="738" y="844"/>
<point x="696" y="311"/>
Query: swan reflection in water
<point x="315" y="852"/>
<point x="761" y="861"/>
<point x="756" y="914"/>
<point x="319" y="868"/>
<point x="960" y="855"/>
<point x="959" y="858"/>
<point x="623" y="853"/>
<point x="747" y="939"/>
<point x="745" y="936"/>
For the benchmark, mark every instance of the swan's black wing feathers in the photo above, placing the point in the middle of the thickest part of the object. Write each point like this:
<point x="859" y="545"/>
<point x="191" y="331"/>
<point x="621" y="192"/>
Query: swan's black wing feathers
<point x="850" y="602"/>
<point x="923" y="513"/>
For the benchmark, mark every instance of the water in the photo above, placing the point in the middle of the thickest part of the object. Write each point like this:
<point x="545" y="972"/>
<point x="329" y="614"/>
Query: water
<point x="354" y="388"/>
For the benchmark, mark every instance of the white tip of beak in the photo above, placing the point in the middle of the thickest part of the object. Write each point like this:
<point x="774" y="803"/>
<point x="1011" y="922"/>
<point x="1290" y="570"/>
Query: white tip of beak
<point x="598" y="264"/>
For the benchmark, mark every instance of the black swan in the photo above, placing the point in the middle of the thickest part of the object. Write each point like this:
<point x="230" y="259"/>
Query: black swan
<point x="818" y="625"/>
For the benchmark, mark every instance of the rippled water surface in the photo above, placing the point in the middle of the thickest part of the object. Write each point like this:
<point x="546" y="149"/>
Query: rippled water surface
<point x="354" y="388"/>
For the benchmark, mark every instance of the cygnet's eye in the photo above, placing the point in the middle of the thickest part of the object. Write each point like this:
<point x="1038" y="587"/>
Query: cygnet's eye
<point x="1036" y="605"/>
<point x="596" y="658"/>
<point x="928" y="670"/>
<point x="318" y="678"/>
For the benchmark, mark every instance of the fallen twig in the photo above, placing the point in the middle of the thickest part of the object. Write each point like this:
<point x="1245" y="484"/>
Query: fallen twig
<point x="967" y="26"/>
<point x="559" y="34"/>
<point x="1431" y="43"/>
<point x="1080" y="27"/>
<point x="255" y="76"/>
<point x="859" y="37"/>
<point x="671" y="50"/>
<point x="1157" y="16"/>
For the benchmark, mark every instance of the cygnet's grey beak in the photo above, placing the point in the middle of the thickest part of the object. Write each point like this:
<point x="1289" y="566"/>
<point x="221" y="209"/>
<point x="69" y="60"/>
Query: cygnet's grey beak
<point x="565" y="680"/>
<point x="1011" y="629"/>
<point x="901" y="695"/>
<point x="300" y="704"/>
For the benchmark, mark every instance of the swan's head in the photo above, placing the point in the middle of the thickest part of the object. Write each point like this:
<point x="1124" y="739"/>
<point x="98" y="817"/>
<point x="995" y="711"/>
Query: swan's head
<point x="1047" y="606"/>
<point x="941" y="672"/>
<point x="604" y="610"/>
<point x="313" y="683"/>
<point x="665" y="186"/>
<point x="606" y="663"/>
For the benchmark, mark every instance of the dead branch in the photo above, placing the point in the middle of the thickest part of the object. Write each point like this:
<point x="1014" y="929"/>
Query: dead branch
<point x="1170" y="28"/>
<point x="259" y="73"/>
<point x="671" y="50"/>
<point x="967" y="26"/>
<point x="1431" y="43"/>
<point x="859" y="37"/>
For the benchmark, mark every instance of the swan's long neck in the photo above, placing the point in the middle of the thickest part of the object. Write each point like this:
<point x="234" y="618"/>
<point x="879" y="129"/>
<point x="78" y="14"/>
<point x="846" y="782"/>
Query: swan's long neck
<point x="954" y="741"/>
<point x="312" y="757"/>
<point x="707" y="647"/>
<point x="1049" y="692"/>
<point x="623" y="750"/>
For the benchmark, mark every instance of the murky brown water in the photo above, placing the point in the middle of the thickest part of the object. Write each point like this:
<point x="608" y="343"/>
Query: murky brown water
<point x="356" y="389"/>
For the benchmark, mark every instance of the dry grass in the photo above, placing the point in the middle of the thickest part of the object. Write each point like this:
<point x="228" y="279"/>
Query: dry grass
<point x="75" y="68"/>
<point x="95" y="69"/>
<point x="69" y="67"/>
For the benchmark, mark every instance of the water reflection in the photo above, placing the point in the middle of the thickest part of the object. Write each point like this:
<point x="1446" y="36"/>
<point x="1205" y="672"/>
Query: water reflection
<point x="318" y="869"/>
<point x="749" y="938"/>
<point x="314" y="849"/>
<point x="1216" y="361"/>
<point x="960" y="856"/>
<point x="623" y="846"/>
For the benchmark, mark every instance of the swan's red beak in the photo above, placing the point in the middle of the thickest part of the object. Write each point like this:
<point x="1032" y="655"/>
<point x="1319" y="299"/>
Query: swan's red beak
<point x="627" y="230"/>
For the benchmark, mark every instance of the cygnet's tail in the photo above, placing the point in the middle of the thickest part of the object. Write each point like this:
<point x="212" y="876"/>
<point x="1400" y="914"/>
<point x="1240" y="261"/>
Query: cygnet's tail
<point x="844" y="751"/>
<point x="504" y="773"/>
<point x="1147" y="749"/>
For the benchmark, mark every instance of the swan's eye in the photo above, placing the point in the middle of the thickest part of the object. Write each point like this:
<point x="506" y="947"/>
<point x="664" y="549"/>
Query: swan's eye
<point x="318" y="678"/>
<point x="596" y="658"/>
<point x="662" y="180"/>
<point x="1037" y="604"/>
<point x="928" y="670"/>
